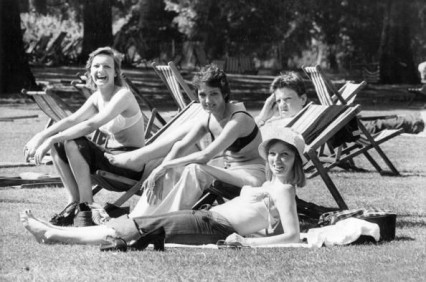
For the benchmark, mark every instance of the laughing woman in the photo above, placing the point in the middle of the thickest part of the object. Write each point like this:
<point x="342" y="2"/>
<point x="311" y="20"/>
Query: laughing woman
<point x="113" y="109"/>
<point x="254" y="210"/>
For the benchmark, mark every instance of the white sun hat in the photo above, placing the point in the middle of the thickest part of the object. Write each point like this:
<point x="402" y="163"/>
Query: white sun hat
<point x="284" y="134"/>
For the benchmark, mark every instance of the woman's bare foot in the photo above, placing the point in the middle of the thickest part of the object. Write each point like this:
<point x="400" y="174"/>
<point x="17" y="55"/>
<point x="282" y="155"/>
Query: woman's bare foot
<point x="36" y="227"/>
<point x="125" y="160"/>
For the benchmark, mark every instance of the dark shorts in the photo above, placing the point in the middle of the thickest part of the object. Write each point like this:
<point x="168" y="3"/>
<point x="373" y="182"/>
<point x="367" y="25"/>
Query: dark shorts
<point x="95" y="158"/>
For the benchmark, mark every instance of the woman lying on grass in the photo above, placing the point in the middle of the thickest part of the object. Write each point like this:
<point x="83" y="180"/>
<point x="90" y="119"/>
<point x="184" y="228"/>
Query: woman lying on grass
<point x="113" y="109"/>
<point x="254" y="210"/>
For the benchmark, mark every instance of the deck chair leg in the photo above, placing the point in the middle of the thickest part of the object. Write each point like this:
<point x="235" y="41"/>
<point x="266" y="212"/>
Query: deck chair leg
<point x="373" y="162"/>
<point x="327" y="180"/>
<point x="127" y="195"/>
<point x="378" y="149"/>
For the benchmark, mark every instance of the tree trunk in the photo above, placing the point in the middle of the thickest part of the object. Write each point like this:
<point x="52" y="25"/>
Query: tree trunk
<point x="97" y="21"/>
<point x="396" y="56"/>
<point x="15" y="73"/>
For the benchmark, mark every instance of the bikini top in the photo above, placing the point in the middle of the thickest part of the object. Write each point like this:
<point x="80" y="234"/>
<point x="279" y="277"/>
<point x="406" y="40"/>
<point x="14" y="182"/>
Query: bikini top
<point x="118" y="123"/>
<point x="240" y="142"/>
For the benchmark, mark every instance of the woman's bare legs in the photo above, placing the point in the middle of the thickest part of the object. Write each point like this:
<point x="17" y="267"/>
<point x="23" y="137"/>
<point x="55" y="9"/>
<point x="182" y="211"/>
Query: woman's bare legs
<point x="130" y="160"/>
<point x="80" y="170"/>
<point x="67" y="177"/>
<point x="45" y="233"/>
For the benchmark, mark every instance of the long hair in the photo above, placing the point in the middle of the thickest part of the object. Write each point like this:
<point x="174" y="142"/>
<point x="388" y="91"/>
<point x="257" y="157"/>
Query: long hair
<point x="213" y="76"/>
<point x="116" y="56"/>
<point x="298" y="177"/>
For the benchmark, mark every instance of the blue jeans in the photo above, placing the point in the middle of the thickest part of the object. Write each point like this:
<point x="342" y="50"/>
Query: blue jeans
<point x="182" y="227"/>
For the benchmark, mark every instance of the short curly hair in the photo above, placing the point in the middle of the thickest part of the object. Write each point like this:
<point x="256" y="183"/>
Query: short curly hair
<point x="290" y="80"/>
<point x="213" y="76"/>
<point x="117" y="57"/>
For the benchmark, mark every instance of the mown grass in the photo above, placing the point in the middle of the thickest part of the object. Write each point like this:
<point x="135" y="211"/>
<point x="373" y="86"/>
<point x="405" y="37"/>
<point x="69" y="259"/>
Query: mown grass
<point x="403" y="259"/>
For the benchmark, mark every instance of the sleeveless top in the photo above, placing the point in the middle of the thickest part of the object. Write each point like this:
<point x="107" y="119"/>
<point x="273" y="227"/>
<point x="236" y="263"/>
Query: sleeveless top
<point x="268" y="210"/>
<point x="240" y="142"/>
<point x="118" y="123"/>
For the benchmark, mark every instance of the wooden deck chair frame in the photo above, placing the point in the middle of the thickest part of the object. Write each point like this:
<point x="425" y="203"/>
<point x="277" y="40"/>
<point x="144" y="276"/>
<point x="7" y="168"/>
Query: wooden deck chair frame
<point x="329" y="95"/>
<point x="174" y="82"/>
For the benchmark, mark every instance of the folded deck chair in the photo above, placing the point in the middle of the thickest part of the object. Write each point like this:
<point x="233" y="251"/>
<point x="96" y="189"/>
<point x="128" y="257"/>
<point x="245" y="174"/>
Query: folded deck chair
<point x="175" y="83"/>
<point x="132" y="187"/>
<point x="329" y="95"/>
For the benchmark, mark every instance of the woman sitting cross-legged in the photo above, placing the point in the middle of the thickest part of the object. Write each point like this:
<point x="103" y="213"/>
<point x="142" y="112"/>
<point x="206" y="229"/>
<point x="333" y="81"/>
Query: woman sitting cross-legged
<point x="235" y="138"/>
<point x="254" y="210"/>
<point x="113" y="109"/>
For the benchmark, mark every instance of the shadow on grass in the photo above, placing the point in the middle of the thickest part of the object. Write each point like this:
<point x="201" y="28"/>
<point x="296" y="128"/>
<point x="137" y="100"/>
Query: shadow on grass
<point x="404" y="238"/>
<point x="410" y="223"/>
<point x="12" y="201"/>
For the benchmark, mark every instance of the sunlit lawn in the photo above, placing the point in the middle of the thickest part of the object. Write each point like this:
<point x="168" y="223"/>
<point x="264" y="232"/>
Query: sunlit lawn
<point x="404" y="259"/>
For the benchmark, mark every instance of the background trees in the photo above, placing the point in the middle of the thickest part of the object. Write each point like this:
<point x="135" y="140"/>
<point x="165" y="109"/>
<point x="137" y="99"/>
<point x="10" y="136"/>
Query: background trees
<point x="341" y="35"/>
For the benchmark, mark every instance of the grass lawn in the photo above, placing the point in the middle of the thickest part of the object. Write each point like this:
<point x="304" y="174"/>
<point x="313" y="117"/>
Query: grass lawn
<point x="404" y="259"/>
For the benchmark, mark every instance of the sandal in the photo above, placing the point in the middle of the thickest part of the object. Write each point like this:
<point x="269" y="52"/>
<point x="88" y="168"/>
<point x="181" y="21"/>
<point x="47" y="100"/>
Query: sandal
<point x="65" y="217"/>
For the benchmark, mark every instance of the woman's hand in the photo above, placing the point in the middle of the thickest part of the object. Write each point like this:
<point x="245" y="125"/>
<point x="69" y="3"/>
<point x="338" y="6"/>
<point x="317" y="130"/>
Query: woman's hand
<point x="152" y="191"/>
<point x="42" y="150"/>
<point x="32" y="145"/>
<point x="235" y="238"/>
<point x="268" y="108"/>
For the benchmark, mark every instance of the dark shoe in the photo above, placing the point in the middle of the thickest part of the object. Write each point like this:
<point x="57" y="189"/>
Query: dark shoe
<point x="83" y="216"/>
<point x="156" y="237"/>
<point x="65" y="217"/>
<point x="114" y="245"/>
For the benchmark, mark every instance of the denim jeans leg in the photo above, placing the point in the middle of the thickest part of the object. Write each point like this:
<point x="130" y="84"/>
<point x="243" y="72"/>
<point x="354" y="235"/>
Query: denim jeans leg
<point x="185" y="227"/>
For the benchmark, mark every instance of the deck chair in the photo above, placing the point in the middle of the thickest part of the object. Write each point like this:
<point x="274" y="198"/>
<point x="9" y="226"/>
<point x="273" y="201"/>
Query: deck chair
<point x="133" y="187"/>
<point x="36" y="51"/>
<point x="201" y="55"/>
<point x="329" y="95"/>
<point x="53" y="53"/>
<point x="318" y="124"/>
<point x="232" y="65"/>
<point x="56" y="109"/>
<point x="175" y="83"/>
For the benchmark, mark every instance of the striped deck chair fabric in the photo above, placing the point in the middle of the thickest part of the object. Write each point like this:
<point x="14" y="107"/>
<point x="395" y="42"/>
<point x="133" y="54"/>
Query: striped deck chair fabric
<point x="175" y="83"/>
<point x="232" y="65"/>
